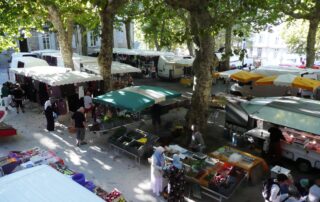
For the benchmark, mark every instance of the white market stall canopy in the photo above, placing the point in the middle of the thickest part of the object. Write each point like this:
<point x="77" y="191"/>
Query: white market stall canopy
<point x="116" y="68"/>
<point x="125" y="51"/>
<point x="39" y="70"/>
<point x="177" y="60"/>
<point x="43" y="184"/>
<point x="67" y="78"/>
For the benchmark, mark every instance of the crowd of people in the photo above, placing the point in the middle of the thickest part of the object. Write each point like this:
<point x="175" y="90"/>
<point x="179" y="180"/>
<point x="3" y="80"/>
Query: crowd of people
<point x="283" y="189"/>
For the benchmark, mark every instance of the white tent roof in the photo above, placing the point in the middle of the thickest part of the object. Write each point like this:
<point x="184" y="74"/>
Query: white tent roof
<point x="140" y="52"/>
<point x="67" y="78"/>
<point x="39" y="70"/>
<point x="116" y="68"/>
<point x="43" y="184"/>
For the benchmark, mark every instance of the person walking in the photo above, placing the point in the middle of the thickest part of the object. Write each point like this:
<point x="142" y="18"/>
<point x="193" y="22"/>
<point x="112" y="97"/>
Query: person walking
<point x="157" y="164"/>
<point x="48" y="111"/>
<point x="176" y="176"/>
<point x="5" y="91"/>
<point x="314" y="192"/>
<point x="275" y="193"/>
<point x="88" y="104"/>
<point x="79" y="124"/>
<point x="18" y="95"/>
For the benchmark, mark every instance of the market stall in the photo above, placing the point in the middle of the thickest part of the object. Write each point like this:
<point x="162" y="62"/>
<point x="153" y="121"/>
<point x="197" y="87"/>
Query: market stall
<point x="216" y="178"/>
<point x="43" y="172"/>
<point x="298" y="120"/>
<point x="255" y="166"/>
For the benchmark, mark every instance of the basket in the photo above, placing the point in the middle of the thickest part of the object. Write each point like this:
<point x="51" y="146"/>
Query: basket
<point x="72" y="130"/>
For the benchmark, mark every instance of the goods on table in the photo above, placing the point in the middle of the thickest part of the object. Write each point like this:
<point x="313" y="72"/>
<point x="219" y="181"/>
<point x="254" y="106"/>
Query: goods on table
<point x="36" y="156"/>
<point x="135" y="141"/>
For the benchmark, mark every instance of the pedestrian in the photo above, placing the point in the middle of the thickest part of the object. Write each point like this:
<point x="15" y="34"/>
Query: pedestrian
<point x="157" y="164"/>
<point x="303" y="187"/>
<point x="4" y="95"/>
<point x="274" y="192"/>
<point x="87" y="102"/>
<point x="176" y="176"/>
<point x="18" y="95"/>
<point x="274" y="153"/>
<point x="79" y="124"/>
<point x="48" y="111"/>
<point x="314" y="192"/>
<point x="156" y="117"/>
<point x="197" y="142"/>
<point x="292" y="196"/>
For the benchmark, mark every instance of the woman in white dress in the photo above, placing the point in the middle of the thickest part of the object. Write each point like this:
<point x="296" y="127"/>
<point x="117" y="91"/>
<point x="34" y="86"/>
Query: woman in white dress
<point x="157" y="164"/>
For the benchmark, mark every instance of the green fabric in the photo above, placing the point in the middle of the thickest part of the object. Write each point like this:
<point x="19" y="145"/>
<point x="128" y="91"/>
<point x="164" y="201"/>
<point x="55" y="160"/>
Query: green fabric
<point x="297" y="113"/>
<point x="132" y="101"/>
<point x="168" y="93"/>
<point x="125" y="100"/>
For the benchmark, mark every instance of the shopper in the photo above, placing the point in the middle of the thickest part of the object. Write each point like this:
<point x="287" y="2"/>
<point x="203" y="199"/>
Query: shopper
<point x="48" y="111"/>
<point x="79" y="123"/>
<point x="156" y="117"/>
<point x="273" y="193"/>
<point x="4" y="95"/>
<point x="303" y="187"/>
<point x="88" y="104"/>
<point x="292" y="196"/>
<point x="197" y="142"/>
<point x="314" y="192"/>
<point x="274" y="153"/>
<point x="176" y="176"/>
<point x="18" y="95"/>
<point x="157" y="164"/>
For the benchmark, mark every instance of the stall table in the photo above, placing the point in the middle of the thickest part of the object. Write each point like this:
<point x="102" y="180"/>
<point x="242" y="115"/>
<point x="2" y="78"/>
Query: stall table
<point x="216" y="179"/>
<point x="255" y="166"/>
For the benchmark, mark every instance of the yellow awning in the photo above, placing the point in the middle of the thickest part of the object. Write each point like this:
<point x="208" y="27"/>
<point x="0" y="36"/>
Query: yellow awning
<point x="266" y="81"/>
<point x="305" y="83"/>
<point x="245" y="77"/>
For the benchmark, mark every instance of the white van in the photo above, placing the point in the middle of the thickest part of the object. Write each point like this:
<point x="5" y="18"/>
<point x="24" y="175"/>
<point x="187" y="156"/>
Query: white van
<point x="25" y="62"/>
<point x="55" y="58"/>
<point x="39" y="53"/>
<point x="172" y="67"/>
<point x="21" y="54"/>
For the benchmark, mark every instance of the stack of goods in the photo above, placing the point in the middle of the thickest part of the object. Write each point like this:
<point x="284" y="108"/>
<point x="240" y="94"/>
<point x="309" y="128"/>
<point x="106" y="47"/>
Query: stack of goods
<point x="114" y="196"/>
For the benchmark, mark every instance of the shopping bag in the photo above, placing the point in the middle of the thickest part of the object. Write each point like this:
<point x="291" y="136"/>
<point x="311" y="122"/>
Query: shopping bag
<point x="72" y="129"/>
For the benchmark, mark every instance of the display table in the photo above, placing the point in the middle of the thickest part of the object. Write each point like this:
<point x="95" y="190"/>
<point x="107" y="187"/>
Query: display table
<point x="216" y="179"/>
<point x="255" y="166"/>
<point x="135" y="143"/>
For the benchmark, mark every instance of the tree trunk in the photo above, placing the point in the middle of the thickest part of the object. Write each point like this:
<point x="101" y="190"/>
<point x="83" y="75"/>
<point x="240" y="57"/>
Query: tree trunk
<point x="105" y="55"/>
<point x="156" y="42"/>
<point x="198" y="113"/>
<point x="84" y="40"/>
<point x="190" y="47"/>
<point x="65" y="32"/>
<point x="228" y="50"/>
<point x="311" y="41"/>
<point x="127" y="24"/>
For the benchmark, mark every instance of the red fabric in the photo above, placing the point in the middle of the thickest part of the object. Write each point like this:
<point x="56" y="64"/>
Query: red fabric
<point x="8" y="132"/>
<point x="1" y="114"/>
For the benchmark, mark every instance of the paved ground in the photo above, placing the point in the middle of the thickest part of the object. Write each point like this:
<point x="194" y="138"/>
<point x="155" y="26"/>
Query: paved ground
<point x="104" y="166"/>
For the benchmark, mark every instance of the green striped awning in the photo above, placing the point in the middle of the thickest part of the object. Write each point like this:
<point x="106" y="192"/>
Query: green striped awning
<point x="136" y="98"/>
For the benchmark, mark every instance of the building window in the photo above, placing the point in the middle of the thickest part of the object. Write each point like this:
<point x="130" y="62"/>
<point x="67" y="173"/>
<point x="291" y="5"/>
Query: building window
<point x="277" y="39"/>
<point x="259" y="52"/>
<point x="46" y="41"/>
<point x="92" y="39"/>
<point x="276" y="51"/>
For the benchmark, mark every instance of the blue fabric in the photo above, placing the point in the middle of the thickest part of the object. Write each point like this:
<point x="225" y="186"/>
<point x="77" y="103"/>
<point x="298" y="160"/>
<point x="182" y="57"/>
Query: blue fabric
<point x="158" y="155"/>
<point x="176" y="161"/>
